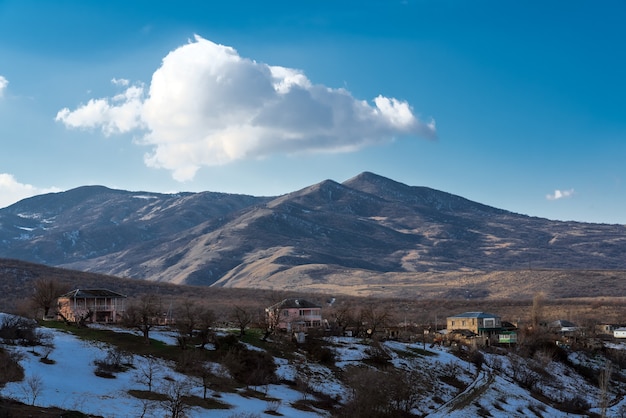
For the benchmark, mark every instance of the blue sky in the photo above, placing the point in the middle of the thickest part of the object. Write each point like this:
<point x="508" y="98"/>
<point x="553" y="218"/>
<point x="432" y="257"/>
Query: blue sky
<point x="518" y="105"/>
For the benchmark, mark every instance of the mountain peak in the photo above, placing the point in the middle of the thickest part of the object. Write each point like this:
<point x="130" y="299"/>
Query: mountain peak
<point x="367" y="225"/>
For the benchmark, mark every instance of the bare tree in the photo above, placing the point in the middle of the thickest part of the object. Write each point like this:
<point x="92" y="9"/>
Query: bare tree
<point x="32" y="387"/>
<point x="143" y="314"/>
<point x="175" y="392"/>
<point x="146" y="373"/>
<point x="342" y="317"/>
<point x="207" y="374"/>
<point x="536" y="312"/>
<point x="194" y="320"/>
<point x="243" y="318"/>
<point x="186" y="318"/>
<point x="206" y="320"/>
<point x="46" y="340"/>
<point x="375" y="317"/>
<point x="46" y="293"/>
<point x="604" y="382"/>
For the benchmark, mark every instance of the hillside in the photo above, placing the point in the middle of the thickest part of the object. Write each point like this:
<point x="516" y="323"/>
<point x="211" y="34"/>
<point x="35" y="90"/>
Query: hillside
<point x="359" y="236"/>
<point x="445" y="381"/>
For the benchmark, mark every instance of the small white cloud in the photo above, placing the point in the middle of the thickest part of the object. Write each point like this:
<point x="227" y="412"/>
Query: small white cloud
<point x="3" y="85"/>
<point x="208" y="106"/>
<point x="560" y="194"/>
<point x="120" y="82"/>
<point x="116" y="115"/>
<point x="12" y="191"/>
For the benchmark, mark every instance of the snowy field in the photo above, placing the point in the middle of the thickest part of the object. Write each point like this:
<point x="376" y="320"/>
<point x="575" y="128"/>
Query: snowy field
<point x="70" y="383"/>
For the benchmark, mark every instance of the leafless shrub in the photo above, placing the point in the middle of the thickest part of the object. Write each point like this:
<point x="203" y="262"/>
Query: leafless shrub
<point x="32" y="388"/>
<point x="115" y="361"/>
<point x="17" y="330"/>
<point x="523" y="374"/>
<point x="395" y="393"/>
<point x="175" y="392"/>
<point x="10" y="369"/>
<point x="250" y="367"/>
<point x="146" y="373"/>
<point x="272" y="406"/>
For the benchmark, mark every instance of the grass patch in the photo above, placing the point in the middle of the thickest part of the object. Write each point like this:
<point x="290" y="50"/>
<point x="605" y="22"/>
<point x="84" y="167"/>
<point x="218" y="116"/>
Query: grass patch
<point x="208" y="403"/>
<point x="422" y="352"/>
<point x="302" y="405"/>
<point x="414" y="352"/>
<point x="123" y="340"/>
<point x="277" y="345"/>
<point x="252" y="393"/>
<point x="147" y="395"/>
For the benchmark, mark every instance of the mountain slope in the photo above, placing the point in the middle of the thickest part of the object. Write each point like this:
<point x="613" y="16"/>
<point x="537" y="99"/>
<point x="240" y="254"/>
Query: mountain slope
<point x="368" y="230"/>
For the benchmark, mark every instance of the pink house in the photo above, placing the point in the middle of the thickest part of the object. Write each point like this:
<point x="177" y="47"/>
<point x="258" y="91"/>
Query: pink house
<point x="294" y="315"/>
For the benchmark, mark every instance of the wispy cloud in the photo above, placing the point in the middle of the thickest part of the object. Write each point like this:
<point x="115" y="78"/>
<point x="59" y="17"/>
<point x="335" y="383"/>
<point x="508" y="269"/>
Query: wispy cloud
<point x="12" y="191"/>
<point x="207" y="105"/>
<point x="560" y="194"/>
<point x="3" y="85"/>
<point x="120" y="82"/>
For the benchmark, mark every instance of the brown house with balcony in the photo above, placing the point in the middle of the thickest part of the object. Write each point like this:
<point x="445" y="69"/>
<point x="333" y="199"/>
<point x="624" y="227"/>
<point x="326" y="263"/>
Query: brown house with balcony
<point x="294" y="315"/>
<point x="479" y="328"/>
<point x="92" y="305"/>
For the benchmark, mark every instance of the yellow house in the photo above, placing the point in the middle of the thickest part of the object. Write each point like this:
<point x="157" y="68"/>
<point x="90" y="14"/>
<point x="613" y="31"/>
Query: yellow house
<point x="480" y="323"/>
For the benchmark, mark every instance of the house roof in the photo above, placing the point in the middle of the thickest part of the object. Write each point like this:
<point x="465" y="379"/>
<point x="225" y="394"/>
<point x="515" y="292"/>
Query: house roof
<point x="475" y="315"/>
<point x="561" y="323"/>
<point x="294" y="303"/>
<point x="92" y="294"/>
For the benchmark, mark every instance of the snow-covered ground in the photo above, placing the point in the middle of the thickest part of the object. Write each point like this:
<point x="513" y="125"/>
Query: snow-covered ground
<point x="70" y="383"/>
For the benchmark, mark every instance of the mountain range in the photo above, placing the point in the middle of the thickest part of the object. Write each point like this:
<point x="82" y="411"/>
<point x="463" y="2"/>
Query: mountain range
<point x="369" y="232"/>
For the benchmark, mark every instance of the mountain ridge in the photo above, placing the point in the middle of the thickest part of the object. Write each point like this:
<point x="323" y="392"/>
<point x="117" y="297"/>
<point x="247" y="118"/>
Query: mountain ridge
<point x="367" y="226"/>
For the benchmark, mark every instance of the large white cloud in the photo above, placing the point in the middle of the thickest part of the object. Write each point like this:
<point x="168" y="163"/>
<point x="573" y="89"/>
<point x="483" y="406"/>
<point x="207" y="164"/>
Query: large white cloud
<point x="3" y="85"/>
<point x="12" y="191"/>
<point x="206" y="105"/>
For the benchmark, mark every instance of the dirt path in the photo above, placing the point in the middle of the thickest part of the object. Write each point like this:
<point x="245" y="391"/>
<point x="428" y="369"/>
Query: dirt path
<point x="467" y="396"/>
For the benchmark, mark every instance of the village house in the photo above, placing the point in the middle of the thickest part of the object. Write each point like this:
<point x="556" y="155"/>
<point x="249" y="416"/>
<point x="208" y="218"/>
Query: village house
<point x="479" y="328"/>
<point x="562" y="326"/>
<point x="294" y="315"/>
<point x="619" y="332"/>
<point x="92" y="305"/>
<point x="479" y="323"/>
